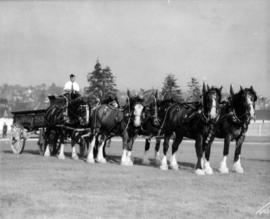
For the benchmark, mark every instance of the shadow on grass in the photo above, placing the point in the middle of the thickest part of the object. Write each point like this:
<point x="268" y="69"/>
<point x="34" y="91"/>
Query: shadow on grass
<point x="116" y="159"/>
<point x="256" y="160"/>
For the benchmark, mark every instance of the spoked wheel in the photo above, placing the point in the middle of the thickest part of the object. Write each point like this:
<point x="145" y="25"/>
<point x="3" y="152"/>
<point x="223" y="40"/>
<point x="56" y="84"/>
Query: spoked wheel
<point x="18" y="139"/>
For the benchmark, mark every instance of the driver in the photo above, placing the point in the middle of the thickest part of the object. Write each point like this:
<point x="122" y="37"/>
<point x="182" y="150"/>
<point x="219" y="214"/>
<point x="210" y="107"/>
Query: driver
<point x="71" y="90"/>
<point x="72" y="86"/>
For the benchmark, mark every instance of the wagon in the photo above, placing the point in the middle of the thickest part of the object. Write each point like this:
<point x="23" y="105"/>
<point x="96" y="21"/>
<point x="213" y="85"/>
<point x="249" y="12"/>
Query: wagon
<point x="31" y="124"/>
<point x="27" y="124"/>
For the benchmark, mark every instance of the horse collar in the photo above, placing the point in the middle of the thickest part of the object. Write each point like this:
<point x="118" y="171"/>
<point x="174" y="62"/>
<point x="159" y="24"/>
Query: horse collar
<point x="237" y="118"/>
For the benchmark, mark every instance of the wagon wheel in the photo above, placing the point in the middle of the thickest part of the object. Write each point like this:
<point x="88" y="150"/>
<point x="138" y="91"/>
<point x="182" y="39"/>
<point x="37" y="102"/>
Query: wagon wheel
<point x="18" y="139"/>
<point x="41" y="141"/>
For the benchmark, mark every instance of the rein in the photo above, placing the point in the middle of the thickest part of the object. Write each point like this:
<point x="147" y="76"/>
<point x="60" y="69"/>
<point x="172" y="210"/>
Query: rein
<point x="238" y="118"/>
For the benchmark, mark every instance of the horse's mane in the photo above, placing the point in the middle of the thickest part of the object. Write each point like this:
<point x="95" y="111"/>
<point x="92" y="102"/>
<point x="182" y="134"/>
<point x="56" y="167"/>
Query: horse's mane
<point x="149" y="97"/>
<point x="136" y="99"/>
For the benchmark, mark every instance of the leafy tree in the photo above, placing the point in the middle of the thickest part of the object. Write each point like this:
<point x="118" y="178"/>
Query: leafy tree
<point x="170" y="88"/>
<point x="101" y="82"/>
<point x="194" y="90"/>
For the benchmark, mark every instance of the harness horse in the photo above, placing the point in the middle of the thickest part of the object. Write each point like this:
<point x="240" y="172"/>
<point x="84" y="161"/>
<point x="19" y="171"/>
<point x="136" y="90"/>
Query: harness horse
<point x="235" y="117"/>
<point x="108" y="121"/>
<point x="66" y="117"/>
<point x="154" y="118"/>
<point x="192" y="120"/>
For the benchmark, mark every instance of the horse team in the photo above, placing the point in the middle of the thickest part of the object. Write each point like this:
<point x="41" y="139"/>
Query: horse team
<point x="94" y="126"/>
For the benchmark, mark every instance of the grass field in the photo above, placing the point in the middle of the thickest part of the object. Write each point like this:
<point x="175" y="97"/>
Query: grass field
<point x="32" y="186"/>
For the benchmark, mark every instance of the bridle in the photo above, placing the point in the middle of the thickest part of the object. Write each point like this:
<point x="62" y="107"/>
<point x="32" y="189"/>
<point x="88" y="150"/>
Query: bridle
<point x="246" y="116"/>
<point x="206" y="118"/>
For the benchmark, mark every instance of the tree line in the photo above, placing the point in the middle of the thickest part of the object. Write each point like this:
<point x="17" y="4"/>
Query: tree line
<point x="101" y="83"/>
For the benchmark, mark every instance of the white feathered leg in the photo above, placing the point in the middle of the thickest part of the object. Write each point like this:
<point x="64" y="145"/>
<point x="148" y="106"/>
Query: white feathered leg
<point x="237" y="167"/>
<point x="61" y="154"/>
<point x="74" y="154"/>
<point x="164" y="164"/>
<point x="100" y="157"/>
<point x="129" y="161"/>
<point x="174" y="164"/>
<point x="208" y="169"/>
<point x="47" y="152"/>
<point x="90" y="156"/>
<point x="223" y="166"/>
<point x="124" y="157"/>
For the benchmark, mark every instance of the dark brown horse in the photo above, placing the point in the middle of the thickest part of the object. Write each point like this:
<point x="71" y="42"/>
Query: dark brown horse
<point x="66" y="117"/>
<point x="233" y="123"/>
<point x="192" y="120"/>
<point x="108" y="121"/>
<point x="155" y="111"/>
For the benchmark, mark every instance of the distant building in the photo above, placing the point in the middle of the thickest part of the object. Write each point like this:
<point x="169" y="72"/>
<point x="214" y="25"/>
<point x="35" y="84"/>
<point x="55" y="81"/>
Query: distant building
<point x="4" y="109"/>
<point x="5" y="115"/>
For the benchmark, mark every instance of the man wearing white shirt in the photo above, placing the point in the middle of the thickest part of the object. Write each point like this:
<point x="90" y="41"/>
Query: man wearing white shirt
<point x="72" y="86"/>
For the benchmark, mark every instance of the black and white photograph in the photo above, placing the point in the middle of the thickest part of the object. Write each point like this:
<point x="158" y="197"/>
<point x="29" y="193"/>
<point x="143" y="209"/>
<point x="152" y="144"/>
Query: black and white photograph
<point x="134" y="109"/>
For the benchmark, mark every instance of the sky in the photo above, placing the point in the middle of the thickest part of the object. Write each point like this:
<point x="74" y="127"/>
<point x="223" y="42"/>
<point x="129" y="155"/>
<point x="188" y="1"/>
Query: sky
<point x="220" y="42"/>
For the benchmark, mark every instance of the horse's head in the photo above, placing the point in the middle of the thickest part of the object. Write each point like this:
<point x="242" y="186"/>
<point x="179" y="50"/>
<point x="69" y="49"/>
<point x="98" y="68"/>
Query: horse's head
<point x="152" y="104"/>
<point x="79" y="109"/>
<point x="136" y="109"/>
<point x="211" y="100"/>
<point x="244" y="101"/>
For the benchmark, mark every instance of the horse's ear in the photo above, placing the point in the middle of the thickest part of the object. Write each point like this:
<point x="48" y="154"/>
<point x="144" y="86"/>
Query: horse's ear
<point x="203" y="90"/>
<point x="208" y="88"/>
<point x="220" y="90"/>
<point x="231" y="90"/>
<point x="241" y="88"/>
<point x="251" y="88"/>
<point x="128" y="93"/>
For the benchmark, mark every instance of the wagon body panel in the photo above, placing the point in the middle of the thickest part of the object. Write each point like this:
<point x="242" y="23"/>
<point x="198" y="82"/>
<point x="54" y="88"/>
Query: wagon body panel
<point x="31" y="120"/>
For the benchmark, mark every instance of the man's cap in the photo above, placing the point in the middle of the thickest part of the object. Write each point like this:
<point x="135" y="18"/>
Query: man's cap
<point x="71" y="75"/>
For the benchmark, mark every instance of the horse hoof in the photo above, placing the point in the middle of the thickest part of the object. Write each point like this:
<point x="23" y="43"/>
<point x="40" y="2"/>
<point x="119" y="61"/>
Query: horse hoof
<point x="46" y="155"/>
<point x="174" y="167"/>
<point x="164" y="167"/>
<point x="61" y="157"/>
<point x="224" y="170"/>
<point x="102" y="160"/>
<point x="75" y="157"/>
<point x="129" y="163"/>
<point x="145" y="162"/>
<point x="126" y="163"/>
<point x="200" y="172"/>
<point x="90" y="160"/>
<point x="209" y="171"/>
<point x="238" y="169"/>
